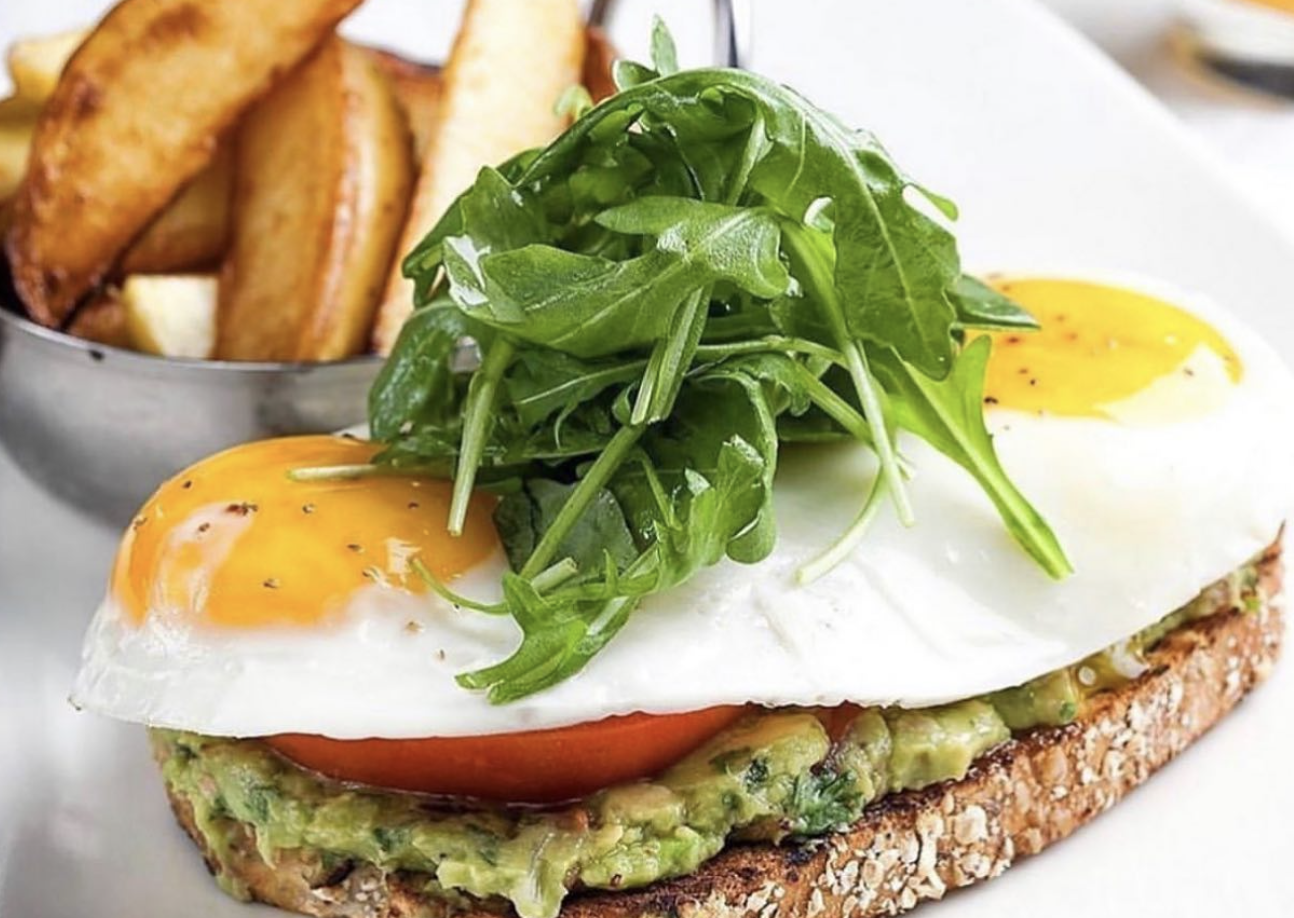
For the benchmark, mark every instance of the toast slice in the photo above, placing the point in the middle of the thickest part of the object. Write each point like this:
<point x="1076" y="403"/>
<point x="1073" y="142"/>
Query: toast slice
<point x="910" y="847"/>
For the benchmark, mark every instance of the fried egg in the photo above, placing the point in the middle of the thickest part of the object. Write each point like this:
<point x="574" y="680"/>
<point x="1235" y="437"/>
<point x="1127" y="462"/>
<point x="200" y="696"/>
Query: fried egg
<point x="1153" y="431"/>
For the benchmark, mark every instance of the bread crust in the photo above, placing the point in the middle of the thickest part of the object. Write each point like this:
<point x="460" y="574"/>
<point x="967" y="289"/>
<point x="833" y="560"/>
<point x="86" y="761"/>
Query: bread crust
<point x="909" y="847"/>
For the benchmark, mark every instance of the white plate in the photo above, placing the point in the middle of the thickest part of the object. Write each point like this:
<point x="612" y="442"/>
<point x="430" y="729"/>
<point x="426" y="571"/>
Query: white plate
<point x="1057" y="159"/>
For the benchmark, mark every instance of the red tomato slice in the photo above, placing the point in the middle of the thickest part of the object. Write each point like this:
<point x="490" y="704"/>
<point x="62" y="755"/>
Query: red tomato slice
<point x="539" y="766"/>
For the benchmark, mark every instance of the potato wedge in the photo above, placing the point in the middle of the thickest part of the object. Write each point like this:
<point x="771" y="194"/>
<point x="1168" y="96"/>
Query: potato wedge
<point x="135" y="115"/>
<point x="417" y="88"/>
<point x="35" y="64"/>
<point x="171" y="315"/>
<point x="599" y="55"/>
<point x="190" y="234"/>
<point x="509" y="65"/>
<point x="103" y="320"/>
<point x="321" y="179"/>
<point x="16" y="129"/>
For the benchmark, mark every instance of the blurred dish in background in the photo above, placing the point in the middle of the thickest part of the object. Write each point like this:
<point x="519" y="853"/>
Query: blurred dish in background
<point x="1246" y="41"/>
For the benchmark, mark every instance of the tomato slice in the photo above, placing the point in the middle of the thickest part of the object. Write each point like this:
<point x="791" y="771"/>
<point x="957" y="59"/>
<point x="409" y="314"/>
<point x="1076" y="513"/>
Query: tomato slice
<point x="538" y="766"/>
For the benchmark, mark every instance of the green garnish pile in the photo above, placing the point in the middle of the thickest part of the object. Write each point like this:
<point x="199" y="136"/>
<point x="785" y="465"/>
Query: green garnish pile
<point x="617" y="332"/>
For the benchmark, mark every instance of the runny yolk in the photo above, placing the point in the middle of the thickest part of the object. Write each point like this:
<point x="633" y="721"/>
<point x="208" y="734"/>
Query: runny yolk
<point x="1098" y="347"/>
<point x="233" y="542"/>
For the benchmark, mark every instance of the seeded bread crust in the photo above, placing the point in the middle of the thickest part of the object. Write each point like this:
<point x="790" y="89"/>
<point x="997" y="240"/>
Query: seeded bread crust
<point x="1032" y="791"/>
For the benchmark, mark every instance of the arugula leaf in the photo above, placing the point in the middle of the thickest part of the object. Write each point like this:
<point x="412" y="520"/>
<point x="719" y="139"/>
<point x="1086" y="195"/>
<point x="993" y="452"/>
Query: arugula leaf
<point x="416" y="386"/>
<point x="949" y="415"/>
<point x="725" y="417"/>
<point x="544" y="383"/>
<point x="551" y="637"/>
<point x="717" y="511"/>
<point x="737" y="244"/>
<point x="574" y="102"/>
<point x="980" y="306"/>
<point x="523" y="516"/>
<point x="663" y="56"/>
<point x="496" y="215"/>
<point x="590" y="306"/>
<point x="627" y="74"/>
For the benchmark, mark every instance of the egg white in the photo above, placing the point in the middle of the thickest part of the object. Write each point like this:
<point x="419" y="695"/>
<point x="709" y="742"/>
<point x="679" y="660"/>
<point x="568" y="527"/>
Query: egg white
<point x="1148" y="512"/>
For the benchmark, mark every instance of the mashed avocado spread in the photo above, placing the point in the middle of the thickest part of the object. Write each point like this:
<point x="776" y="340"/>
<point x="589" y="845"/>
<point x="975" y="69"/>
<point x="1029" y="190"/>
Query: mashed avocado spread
<point x="773" y="774"/>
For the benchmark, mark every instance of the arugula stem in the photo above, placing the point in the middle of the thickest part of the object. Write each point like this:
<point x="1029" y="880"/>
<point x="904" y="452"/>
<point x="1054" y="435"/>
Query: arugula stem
<point x="848" y="541"/>
<point x="756" y="146"/>
<point x="870" y="399"/>
<point x="833" y="405"/>
<point x="451" y="597"/>
<point x="599" y="473"/>
<point x="554" y="576"/>
<point x="778" y="343"/>
<point x="347" y="472"/>
<point x="362" y="470"/>
<point x="819" y="283"/>
<point x="477" y="415"/>
<point x="670" y="360"/>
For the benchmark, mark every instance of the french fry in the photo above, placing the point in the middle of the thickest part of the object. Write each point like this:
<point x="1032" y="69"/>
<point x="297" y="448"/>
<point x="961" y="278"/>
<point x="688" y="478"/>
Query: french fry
<point x="135" y="116"/>
<point x="190" y="234"/>
<point x="509" y="65"/>
<point x="36" y="63"/>
<point x="16" y="128"/>
<point x="322" y="174"/>
<point x="171" y="315"/>
<point x="418" y="89"/>
<point x="103" y="320"/>
<point x="599" y="55"/>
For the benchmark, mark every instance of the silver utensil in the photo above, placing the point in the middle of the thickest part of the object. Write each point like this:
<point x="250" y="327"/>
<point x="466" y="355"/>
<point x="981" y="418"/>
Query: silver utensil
<point x="732" y="28"/>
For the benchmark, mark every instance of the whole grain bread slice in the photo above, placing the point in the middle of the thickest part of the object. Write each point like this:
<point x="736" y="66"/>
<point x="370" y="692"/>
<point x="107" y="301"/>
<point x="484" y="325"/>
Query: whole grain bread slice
<point x="910" y="847"/>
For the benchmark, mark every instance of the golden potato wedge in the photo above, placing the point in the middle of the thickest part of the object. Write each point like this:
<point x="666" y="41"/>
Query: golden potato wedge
<point x="510" y="63"/>
<point x="190" y="234"/>
<point x="171" y="315"/>
<point x="16" y="128"/>
<point x="36" y="63"/>
<point x="599" y="55"/>
<point x="322" y="175"/>
<point x="103" y="320"/>
<point x="417" y="88"/>
<point x="136" y="114"/>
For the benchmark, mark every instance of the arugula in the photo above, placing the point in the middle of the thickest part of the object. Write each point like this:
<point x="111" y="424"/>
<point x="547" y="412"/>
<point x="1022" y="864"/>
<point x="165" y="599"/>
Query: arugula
<point x="618" y="331"/>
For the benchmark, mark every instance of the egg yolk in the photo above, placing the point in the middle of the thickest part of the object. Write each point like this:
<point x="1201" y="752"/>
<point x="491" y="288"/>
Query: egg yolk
<point x="1285" y="6"/>
<point x="1098" y="347"/>
<point x="234" y="542"/>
